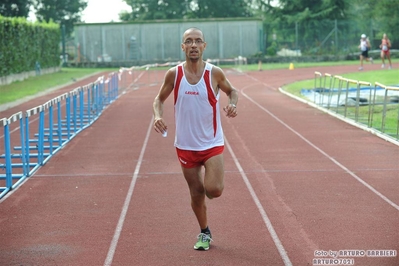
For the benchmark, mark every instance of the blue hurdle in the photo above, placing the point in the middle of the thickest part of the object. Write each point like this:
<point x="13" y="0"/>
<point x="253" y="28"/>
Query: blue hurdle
<point x="59" y="120"/>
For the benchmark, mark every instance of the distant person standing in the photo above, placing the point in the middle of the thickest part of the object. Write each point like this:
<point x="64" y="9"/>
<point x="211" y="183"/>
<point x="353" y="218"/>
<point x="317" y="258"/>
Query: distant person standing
<point x="385" y="46"/>
<point x="364" y="48"/>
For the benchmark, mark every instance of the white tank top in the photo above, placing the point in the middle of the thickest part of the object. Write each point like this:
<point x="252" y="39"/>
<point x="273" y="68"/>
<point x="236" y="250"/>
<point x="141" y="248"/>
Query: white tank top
<point x="197" y="112"/>
<point x="363" y="45"/>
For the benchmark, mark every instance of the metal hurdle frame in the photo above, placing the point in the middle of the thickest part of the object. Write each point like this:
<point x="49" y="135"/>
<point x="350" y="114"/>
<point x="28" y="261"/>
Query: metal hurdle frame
<point x="129" y="77"/>
<point x="384" y="110"/>
<point x="329" y="90"/>
<point x="358" y="85"/>
<point x="352" y="112"/>
<point x="37" y="139"/>
<point x="59" y="120"/>
<point x="9" y="157"/>
<point x="317" y="77"/>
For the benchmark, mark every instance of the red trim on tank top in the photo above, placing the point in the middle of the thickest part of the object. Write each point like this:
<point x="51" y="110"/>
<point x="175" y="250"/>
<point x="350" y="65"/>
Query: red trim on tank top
<point x="180" y="75"/>
<point x="211" y="98"/>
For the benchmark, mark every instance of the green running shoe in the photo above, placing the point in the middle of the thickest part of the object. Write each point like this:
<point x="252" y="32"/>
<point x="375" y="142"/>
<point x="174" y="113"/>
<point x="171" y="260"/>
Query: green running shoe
<point x="203" y="242"/>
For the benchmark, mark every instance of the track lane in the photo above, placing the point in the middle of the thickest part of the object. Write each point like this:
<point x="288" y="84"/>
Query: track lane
<point x="283" y="169"/>
<point x="311" y="202"/>
<point x="166" y="226"/>
<point x="67" y="212"/>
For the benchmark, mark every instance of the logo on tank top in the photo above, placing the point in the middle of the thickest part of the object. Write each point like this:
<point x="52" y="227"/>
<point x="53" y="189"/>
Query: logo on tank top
<point x="192" y="92"/>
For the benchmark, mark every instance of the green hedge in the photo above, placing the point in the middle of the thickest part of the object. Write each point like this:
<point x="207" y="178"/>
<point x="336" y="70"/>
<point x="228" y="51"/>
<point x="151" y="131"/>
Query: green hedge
<point x="22" y="43"/>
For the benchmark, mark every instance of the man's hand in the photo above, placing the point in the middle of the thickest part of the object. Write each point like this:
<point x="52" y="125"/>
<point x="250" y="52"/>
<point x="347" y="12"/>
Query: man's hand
<point x="231" y="110"/>
<point x="160" y="125"/>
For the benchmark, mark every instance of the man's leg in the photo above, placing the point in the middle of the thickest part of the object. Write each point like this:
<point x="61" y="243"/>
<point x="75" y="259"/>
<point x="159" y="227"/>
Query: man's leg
<point x="214" y="176"/>
<point x="383" y="59"/>
<point x="195" y="184"/>
<point x="197" y="191"/>
<point x="370" y="59"/>
<point x="361" y="62"/>
<point x="389" y="59"/>
<point x="212" y="185"/>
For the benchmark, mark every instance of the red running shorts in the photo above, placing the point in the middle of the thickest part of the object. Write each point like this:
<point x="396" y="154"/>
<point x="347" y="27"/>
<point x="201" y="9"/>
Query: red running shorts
<point x="191" y="159"/>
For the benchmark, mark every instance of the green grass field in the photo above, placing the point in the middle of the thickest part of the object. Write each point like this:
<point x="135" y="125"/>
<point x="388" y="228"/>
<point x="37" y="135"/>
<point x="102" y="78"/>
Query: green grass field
<point x="33" y="85"/>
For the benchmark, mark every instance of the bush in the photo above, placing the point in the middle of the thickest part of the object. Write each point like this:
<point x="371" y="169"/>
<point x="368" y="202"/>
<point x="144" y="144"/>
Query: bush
<point x="272" y="49"/>
<point x="22" y="43"/>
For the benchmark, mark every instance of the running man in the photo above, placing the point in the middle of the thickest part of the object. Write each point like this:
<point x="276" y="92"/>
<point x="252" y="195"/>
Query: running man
<point x="385" y="46"/>
<point x="364" y="48"/>
<point x="196" y="86"/>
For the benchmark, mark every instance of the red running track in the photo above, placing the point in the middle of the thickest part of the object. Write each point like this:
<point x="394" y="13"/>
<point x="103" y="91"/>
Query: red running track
<point x="299" y="183"/>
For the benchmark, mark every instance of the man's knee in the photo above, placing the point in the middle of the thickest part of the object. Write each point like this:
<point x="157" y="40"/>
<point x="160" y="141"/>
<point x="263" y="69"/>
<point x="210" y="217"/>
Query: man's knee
<point x="214" y="192"/>
<point x="197" y="191"/>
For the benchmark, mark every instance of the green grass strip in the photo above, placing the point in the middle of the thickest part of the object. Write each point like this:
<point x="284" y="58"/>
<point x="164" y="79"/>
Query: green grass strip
<point x="33" y="85"/>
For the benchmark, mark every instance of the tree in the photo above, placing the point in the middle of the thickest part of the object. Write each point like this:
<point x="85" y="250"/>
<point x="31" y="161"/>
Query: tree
<point x="302" y="10"/>
<point x="156" y="9"/>
<point x="359" y="10"/>
<point x="312" y="20"/>
<point x="64" y="12"/>
<point x="387" y="19"/>
<point x="178" y="9"/>
<point x="15" y="8"/>
<point x="222" y="8"/>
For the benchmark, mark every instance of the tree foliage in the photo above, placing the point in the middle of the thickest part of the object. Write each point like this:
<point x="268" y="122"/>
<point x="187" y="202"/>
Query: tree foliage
<point x="15" y="8"/>
<point x="386" y="17"/>
<point x="305" y="10"/>
<point x="181" y="9"/>
<point x="27" y="43"/>
<point x="221" y="8"/>
<point x="308" y="17"/>
<point x="63" y="12"/>
<point x="155" y="9"/>
<point x="382" y="17"/>
<point x="313" y="16"/>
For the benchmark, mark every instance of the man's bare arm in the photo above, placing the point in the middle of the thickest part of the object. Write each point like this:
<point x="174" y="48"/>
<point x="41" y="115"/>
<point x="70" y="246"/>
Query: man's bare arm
<point x="164" y="92"/>
<point x="224" y="84"/>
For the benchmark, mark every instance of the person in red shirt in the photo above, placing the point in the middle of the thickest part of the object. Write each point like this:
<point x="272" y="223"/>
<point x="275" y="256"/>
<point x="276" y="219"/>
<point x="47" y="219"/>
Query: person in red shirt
<point x="385" y="46"/>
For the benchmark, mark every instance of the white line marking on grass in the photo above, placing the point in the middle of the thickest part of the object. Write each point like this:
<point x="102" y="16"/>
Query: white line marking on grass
<point x="262" y="211"/>
<point x="325" y="154"/>
<point x="118" y="230"/>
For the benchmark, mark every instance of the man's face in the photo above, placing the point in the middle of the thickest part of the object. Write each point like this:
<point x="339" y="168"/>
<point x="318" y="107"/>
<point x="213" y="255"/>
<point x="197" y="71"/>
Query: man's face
<point x="193" y="44"/>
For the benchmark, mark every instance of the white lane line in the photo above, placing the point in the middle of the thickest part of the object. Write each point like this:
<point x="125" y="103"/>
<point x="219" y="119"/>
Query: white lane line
<point x="262" y="211"/>
<point x="118" y="230"/>
<point x="325" y="154"/>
